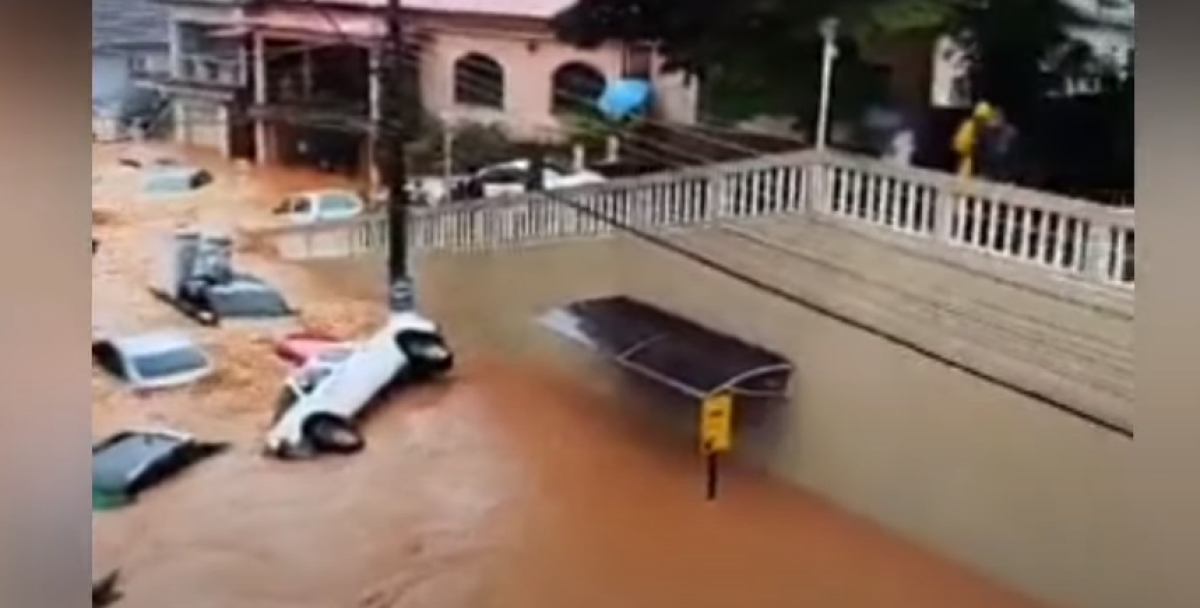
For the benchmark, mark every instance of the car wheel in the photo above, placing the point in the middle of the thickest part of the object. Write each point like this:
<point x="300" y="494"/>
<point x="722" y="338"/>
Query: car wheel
<point x="332" y="435"/>
<point x="427" y="354"/>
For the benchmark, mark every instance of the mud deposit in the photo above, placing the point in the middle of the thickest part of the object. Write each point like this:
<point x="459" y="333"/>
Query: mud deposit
<point x="513" y="485"/>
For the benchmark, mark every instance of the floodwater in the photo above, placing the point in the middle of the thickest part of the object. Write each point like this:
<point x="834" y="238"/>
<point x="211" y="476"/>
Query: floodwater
<point x="513" y="485"/>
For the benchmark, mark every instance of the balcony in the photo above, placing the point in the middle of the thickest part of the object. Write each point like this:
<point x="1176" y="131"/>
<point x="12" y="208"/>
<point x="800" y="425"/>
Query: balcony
<point x="205" y="73"/>
<point x="331" y="112"/>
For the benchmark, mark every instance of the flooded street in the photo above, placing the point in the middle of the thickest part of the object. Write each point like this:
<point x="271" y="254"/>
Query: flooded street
<point x="514" y="484"/>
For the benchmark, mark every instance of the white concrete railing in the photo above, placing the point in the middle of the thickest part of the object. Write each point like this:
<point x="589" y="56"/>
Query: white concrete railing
<point x="1066" y="235"/>
<point x="657" y="202"/>
<point x="973" y="217"/>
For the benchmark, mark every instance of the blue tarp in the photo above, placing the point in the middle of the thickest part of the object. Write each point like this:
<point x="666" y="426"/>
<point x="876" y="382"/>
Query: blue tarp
<point x="624" y="98"/>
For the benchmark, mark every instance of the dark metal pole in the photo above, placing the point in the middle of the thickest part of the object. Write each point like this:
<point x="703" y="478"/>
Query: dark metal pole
<point x="535" y="180"/>
<point x="390" y="136"/>
<point x="712" y="475"/>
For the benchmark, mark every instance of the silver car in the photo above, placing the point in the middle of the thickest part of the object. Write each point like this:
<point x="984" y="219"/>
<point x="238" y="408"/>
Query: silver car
<point x="155" y="360"/>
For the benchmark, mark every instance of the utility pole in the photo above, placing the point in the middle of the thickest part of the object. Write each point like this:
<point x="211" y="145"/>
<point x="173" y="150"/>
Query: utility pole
<point x="390" y="134"/>
<point x="829" y="53"/>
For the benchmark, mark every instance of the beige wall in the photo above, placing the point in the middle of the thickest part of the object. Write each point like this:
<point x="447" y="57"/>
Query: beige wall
<point x="529" y="62"/>
<point x="1007" y="485"/>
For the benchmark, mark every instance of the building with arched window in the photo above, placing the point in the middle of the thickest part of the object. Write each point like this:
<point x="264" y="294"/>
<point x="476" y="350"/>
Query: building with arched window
<point x="263" y="74"/>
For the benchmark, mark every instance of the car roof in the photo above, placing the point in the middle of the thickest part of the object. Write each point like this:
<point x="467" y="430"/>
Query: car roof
<point x="152" y="342"/>
<point x="172" y="171"/>
<point x="324" y="192"/>
<point x="243" y="283"/>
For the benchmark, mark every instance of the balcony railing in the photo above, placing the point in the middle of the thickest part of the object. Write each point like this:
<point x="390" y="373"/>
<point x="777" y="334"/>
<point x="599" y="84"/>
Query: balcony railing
<point x="329" y="112"/>
<point x="971" y="221"/>
<point x="202" y="70"/>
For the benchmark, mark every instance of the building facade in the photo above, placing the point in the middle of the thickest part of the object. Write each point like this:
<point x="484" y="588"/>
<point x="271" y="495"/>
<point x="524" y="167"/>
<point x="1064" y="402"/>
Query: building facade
<point x="290" y="81"/>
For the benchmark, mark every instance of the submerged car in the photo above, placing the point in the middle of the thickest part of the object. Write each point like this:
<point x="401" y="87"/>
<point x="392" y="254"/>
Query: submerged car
<point x="154" y="360"/>
<point x="130" y="462"/>
<point x="336" y="382"/>
<point x="298" y="348"/>
<point x="171" y="179"/>
<point x="195" y="275"/>
<point x="320" y="206"/>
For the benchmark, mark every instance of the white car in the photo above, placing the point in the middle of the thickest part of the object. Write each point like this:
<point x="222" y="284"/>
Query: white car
<point x="155" y="360"/>
<point x="322" y="398"/>
<point x="320" y="206"/>
<point x="512" y="177"/>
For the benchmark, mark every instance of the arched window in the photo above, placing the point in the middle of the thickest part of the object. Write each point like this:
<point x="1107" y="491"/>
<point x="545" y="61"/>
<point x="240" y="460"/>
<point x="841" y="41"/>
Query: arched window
<point x="576" y="88"/>
<point x="479" y="81"/>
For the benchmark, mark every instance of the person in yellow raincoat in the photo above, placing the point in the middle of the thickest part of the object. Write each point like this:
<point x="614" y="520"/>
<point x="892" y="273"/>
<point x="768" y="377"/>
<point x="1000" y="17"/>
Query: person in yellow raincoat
<point x="970" y="132"/>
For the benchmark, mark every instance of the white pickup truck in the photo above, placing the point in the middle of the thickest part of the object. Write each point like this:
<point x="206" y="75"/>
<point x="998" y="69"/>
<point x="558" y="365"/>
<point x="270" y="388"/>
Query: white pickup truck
<point x="322" y="398"/>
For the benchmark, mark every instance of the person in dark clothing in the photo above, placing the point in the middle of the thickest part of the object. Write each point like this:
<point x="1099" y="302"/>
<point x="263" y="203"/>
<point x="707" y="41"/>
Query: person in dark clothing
<point x="997" y="150"/>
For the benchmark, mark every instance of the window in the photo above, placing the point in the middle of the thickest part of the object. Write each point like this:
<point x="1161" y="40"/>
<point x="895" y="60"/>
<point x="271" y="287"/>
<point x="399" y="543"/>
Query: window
<point x="247" y="301"/>
<point x="504" y="176"/>
<point x="576" y="87"/>
<point x="168" y="363"/>
<point x="309" y="378"/>
<point x="286" y="400"/>
<point x="339" y="201"/>
<point x="638" y="61"/>
<point x="118" y="463"/>
<point x="479" y="81"/>
<point x="557" y="169"/>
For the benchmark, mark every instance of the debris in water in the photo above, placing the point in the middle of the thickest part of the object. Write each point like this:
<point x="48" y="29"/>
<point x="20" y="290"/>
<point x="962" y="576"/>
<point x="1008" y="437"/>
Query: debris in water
<point x="104" y="591"/>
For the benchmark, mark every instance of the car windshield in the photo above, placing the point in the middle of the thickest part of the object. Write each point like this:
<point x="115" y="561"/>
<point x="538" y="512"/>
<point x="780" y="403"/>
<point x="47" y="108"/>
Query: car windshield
<point x="309" y="378"/>
<point x="248" y="302"/>
<point x="169" y="362"/>
<point x="168" y="179"/>
<point x="339" y="201"/>
<point x="559" y="168"/>
<point x="114" y="466"/>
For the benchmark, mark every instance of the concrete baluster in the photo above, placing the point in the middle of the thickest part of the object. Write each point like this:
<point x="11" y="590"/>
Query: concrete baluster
<point x="1098" y="251"/>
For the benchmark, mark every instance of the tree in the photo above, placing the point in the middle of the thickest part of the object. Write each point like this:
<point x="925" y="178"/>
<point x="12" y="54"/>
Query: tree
<point x="1019" y="51"/>
<point x="768" y="51"/>
<point x="760" y="56"/>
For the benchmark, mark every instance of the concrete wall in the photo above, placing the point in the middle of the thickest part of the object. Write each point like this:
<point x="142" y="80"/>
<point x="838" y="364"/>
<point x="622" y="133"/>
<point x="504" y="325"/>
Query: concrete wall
<point x="996" y="480"/>
<point x="1009" y="485"/>
<point x="201" y="123"/>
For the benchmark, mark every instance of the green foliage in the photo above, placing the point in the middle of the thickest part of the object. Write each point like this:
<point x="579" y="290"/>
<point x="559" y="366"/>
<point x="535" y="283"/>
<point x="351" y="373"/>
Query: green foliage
<point x="475" y="145"/>
<point x="1020" y="51"/>
<point x="757" y="56"/>
<point x="763" y="56"/>
<point x="589" y="130"/>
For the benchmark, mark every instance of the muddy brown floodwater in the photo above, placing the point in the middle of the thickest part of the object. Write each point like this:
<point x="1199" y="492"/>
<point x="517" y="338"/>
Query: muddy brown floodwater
<point x="514" y="485"/>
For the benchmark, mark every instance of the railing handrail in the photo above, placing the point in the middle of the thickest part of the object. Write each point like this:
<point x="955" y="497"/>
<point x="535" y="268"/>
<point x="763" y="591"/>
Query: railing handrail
<point x="1076" y="207"/>
<point x="972" y="217"/>
<point x="191" y="66"/>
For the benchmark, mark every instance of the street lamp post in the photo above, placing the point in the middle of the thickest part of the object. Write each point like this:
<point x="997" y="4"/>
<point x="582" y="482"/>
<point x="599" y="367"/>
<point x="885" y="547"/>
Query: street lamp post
<point x="829" y="51"/>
